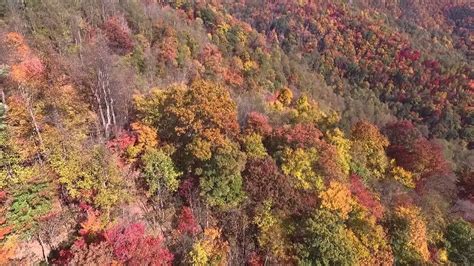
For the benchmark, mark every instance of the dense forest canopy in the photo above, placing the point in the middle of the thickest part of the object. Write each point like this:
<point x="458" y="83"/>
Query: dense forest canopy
<point x="249" y="132"/>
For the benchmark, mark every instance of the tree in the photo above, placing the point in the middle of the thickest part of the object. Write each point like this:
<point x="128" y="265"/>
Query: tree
<point x="253" y="146"/>
<point x="159" y="171"/>
<point x="220" y="177"/>
<point x="258" y="123"/>
<point x="325" y="240"/>
<point x="370" y="238"/>
<point x="187" y="223"/>
<point x="263" y="181"/>
<point x="295" y="136"/>
<point x="211" y="249"/>
<point x="337" y="199"/>
<point x="130" y="245"/>
<point x="26" y="73"/>
<point x="271" y="235"/>
<point x="205" y="110"/>
<point x="414" y="153"/>
<point x="91" y="176"/>
<point x="407" y="232"/>
<point x="368" y="150"/>
<point x="460" y="242"/>
<point x="106" y="83"/>
<point x="365" y="197"/>
<point x="196" y="119"/>
<point x="116" y="31"/>
<point x="285" y="96"/>
<point x="299" y="164"/>
<point x="343" y="147"/>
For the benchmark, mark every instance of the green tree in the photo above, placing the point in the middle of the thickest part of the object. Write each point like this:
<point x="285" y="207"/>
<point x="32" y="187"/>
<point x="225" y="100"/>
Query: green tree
<point x="220" y="177"/>
<point x="326" y="241"/>
<point x="159" y="171"/>
<point x="460" y="242"/>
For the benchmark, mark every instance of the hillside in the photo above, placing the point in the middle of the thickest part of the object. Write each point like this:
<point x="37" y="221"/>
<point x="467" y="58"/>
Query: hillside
<point x="250" y="132"/>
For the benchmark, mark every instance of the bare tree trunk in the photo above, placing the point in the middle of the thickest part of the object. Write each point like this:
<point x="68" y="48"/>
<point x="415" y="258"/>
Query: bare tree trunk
<point x="42" y="248"/>
<point x="97" y="95"/>
<point x="31" y="112"/>
<point x="3" y="97"/>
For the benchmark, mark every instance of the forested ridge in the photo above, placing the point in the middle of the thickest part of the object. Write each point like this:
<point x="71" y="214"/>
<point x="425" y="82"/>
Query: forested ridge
<point x="249" y="132"/>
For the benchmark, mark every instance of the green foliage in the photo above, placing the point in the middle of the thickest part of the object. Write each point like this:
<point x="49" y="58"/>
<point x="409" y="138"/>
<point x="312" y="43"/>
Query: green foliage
<point x="220" y="177"/>
<point x="325" y="241"/>
<point x="30" y="203"/>
<point x="271" y="235"/>
<point x="460" y="242"/>
<point x="159" y="171"/>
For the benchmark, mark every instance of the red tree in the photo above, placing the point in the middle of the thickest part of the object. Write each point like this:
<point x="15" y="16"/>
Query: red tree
<point x="130" y="245"/>
<point x="118" y="36"/>
<point x="365" y="197"/>
<point x="257" y="122"/>
<point x="187" y="223"/>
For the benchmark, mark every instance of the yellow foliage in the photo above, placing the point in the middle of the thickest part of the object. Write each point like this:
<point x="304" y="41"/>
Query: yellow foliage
<point x="253" y="146"/>
<point x="337" y="197"/>
<point x="285" y="96"/>
<point x="307" y="111"/>
<point x="403" y="176"/>
<point x="417" y="230"/>
<point x="250" y="66"/>
<point x="299" y="164"/>
<point x="8" y="250"/>
<point x="271" y="235"/>
<point x="343" y="147"/>
<point x="200" y="149"/>
<point x="210" y="250"/>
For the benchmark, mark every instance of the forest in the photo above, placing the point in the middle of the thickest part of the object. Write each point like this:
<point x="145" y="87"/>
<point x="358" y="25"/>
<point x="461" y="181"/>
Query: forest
<point x="236" y="132"/>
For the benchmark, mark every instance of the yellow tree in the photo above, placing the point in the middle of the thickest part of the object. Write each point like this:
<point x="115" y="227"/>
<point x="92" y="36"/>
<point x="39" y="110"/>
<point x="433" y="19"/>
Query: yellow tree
<point x="368" y="150"/>
<point x="211" y="249"/>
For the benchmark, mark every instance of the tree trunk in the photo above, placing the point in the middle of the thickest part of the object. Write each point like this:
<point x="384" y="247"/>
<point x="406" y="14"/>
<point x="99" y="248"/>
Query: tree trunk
<point x="31" y="112"/>
<point x="42" y="248"/>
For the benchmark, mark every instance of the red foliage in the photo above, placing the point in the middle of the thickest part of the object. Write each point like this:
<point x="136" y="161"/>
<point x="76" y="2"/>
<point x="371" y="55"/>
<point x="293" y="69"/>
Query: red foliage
<point x="410" y="54"/>
<point x="151" y="252"/>
<point x="188" y="188"/>
<point x="5" y="231"/>
<point x="3" y="196"/>
<point x="327" y="165"/>
<point x="121" y="142"/>
<point x="401" y="133"/>
<point x="297" y="136"/>
<point x="365" y="197"/>
<point x="125" y="240"/>
<point x="257" y="122"/>
<point x="255" y="260"/>
<point x="186" y="222"/>
<point x="130" y="245"/>
<point x="33" y="67"/>
<point x="423" y="157"/>
<point x="119" y="38"/>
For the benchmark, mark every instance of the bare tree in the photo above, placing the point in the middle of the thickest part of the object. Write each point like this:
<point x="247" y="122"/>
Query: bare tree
<point x="107" y="82"/>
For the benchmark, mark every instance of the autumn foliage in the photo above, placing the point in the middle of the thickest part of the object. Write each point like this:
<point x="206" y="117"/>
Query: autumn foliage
<point x="236" y="132"/>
